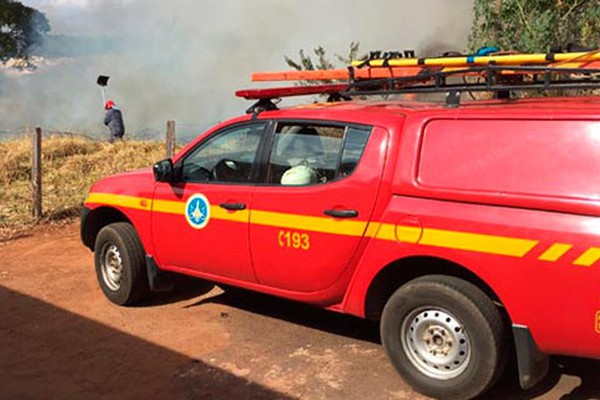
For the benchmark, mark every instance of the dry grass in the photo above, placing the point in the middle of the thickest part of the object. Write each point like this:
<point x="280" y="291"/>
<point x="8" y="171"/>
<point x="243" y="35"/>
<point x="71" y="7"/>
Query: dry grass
<point x="70" y="165"/>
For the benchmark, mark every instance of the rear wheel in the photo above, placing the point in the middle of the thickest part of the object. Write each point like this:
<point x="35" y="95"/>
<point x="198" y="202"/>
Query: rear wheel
<point x="444" y="336"/>
<point x="120" y="264"/>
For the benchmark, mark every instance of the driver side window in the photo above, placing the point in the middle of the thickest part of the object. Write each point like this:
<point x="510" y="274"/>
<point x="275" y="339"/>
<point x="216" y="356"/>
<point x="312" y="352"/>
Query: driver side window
<point x="227" y="156"/>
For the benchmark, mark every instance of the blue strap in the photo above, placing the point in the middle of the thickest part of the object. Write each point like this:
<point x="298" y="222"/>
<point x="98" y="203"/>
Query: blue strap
<point x="483" y="51"/>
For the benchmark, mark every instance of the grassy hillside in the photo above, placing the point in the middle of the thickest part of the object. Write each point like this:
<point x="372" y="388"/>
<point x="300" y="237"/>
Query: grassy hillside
<point x="70" y="166"/>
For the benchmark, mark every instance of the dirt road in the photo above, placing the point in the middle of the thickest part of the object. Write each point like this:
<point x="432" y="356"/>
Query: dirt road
<point x="61" y="339"/>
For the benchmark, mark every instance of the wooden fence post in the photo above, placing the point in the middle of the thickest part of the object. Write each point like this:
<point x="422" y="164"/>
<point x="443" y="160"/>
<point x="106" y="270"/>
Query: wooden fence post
<point x="36" y="173"/>
<point x="170" y="138"/>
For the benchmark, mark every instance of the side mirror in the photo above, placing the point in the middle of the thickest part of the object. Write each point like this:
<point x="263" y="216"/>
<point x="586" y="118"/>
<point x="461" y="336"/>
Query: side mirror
<point x="164" y="171"/>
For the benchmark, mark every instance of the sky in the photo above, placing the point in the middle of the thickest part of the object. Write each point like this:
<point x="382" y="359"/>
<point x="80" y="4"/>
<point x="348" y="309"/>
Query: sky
<point x="183" y="59"/>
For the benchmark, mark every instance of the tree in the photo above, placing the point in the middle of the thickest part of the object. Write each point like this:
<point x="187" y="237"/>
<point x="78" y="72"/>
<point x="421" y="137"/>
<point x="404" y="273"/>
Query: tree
<point x="535" y="25"/>
<point x="306" y="62"/>
<point x="21" y="29"/>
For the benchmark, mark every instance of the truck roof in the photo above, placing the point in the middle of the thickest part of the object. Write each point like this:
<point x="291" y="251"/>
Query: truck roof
<point x="565" y="106"/>
<point x="390" y="113"/>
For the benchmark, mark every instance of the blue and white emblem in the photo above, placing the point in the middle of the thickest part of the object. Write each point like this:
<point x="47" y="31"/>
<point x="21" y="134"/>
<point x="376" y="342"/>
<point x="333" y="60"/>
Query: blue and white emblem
<point x="197" y="211"/>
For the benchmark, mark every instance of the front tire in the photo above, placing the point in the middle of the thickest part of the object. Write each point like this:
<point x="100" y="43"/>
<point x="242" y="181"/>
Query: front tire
<point x="120" y="264"/>
<point x="445" y="337"/>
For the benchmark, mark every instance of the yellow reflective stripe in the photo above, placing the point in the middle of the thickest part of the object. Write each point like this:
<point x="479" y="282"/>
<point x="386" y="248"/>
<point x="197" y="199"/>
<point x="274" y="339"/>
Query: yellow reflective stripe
<point x="372" y="229"/>
<point x="217" y="212"/>
<point x="386" y="232"/>
<point x="589" y="257"/>
<point x="308" y="223"/>
<point x="555" y="252"/>
<point x="490" y="244"/>
<point x="408" y="234"/>
<point x="138" y="203"/>
<point x="170" y="207"/>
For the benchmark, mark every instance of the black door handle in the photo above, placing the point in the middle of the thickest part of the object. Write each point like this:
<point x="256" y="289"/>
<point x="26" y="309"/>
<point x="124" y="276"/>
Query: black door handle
<point x="341" y="213"/>
<point x="233" y="206"/>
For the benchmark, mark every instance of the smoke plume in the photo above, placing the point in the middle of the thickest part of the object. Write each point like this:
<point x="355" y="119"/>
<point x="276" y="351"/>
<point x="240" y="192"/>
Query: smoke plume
<point x="183" y="59"/>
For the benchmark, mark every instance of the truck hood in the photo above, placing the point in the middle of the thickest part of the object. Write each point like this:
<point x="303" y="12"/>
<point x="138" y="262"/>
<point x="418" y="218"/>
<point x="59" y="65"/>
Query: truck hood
<point x="138" y="183"/>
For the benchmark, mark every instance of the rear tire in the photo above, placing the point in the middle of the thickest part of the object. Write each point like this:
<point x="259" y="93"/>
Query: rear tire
<point x="120" y="264"/>
<point x="445" y="337"/>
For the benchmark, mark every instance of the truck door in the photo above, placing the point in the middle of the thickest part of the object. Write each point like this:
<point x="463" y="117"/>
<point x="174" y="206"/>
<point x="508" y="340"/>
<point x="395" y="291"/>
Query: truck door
<point x="200" y="222"/>
<point x="320" y="183"/>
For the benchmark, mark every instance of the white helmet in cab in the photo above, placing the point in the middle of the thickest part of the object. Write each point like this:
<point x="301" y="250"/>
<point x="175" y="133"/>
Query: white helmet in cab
<point x="299" y="175"/>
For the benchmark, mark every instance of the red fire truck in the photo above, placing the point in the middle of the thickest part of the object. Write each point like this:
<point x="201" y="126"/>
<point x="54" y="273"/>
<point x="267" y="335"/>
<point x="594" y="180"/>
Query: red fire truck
<point x="469" y="229"/>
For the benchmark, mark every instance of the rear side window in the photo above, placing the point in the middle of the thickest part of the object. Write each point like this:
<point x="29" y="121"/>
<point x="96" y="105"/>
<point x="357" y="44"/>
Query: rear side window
<point x="354" y="145"/>
<point x="540" y="158"/>
<point x="305" y="154"/>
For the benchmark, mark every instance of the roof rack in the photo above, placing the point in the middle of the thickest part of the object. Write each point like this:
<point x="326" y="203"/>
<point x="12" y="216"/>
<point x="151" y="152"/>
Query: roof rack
<point x="385" y="73"/>
<point x="497" y="79"/>
<point x="394" y="64"/>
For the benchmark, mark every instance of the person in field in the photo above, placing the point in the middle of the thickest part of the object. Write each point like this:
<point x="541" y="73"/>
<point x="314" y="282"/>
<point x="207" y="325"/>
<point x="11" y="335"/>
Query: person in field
<point x="114" y="121"/>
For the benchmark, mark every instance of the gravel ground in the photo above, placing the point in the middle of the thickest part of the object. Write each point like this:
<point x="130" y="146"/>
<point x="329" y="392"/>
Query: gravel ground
<point x="61" y="339"/>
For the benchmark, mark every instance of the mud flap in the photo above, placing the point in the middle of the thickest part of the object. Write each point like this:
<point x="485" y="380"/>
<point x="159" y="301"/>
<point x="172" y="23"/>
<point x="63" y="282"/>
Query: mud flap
<point x="158" y="281"/>
<point x="533" y="364"/>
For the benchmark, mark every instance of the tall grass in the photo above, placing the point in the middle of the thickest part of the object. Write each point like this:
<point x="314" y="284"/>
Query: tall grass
<point x="70" y="165"/>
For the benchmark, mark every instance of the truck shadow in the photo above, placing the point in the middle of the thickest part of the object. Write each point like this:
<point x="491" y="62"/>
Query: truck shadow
<point x="585" y="386"/>
<point x="588" y="371"/>
<point x="297" y="313"/>
<point x="50" y="353"/>
<point x="584" y="370"/>
<point x="185" y="288"/>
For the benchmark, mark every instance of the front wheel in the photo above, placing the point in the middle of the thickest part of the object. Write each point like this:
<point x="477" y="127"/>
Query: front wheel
<point x="120" y="264"/>
<point x="445" y="337"/>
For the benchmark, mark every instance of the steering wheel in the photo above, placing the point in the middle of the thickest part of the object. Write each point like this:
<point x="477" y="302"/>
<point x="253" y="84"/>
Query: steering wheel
<point x="196" y="173"/>
<point x="227" y="170"/>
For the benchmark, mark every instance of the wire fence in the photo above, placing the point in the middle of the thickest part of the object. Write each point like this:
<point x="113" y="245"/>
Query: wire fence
<point x="186" y="132"/>
<point x="36" y="136"/>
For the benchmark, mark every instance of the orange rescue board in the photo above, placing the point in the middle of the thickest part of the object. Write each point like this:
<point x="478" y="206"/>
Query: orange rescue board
<point x="336" y="74"/>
